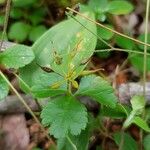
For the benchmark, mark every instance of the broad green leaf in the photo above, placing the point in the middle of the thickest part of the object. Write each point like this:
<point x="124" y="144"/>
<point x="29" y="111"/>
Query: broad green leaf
<point x="16" y="56"/>
<point x="49" y="84"/>
<point x="137" y="62"/>
<point x="36" y="32"/>
<point x="98" y="89"/>
<point x="104" y="33"/>
<point x="141" y="123"/>
<point x="128" y="142"/>
<point x="4" y="88"/>
<point x="124" y="42"/>
<point x="146" y="142"/>
<point x="64" y="115"/>
<point x="142" y="38"/>
<point x="64" y="49"/>
<point x="119" y="7"/>
<point x="19" y="31"/>
<point x="81" y="141"/>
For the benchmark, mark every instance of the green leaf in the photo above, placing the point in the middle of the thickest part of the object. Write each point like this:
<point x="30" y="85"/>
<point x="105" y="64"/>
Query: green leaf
<point x="119" y="7"/>
<point x="2" y="18"/>
<point x="64" y="115"/>
<point x="104" y="33"/>
<point x="141" y="123"/>
<point x="64" y="49"/>
<point x="99" y="6"/>
<point x="138" y="103"/>
<point x="16" y="13"/>
<point x="4" y="88"/>
<point x="36" y="32"/>
<point x="128" y="142"/>
<point x="16" y="56"/>
<point x="146" y="142"/>
<point x="19" y="31"/>
<point x="81" y="141"/>
<point x="124" y="42"/>
<point x="98" y="89"/>
<point x="49" y="84"/>
<point x="20" y="3"/>
<point x="142" y="38"/>
<point x="118" y="112"/>
<point x="137" y="62"/>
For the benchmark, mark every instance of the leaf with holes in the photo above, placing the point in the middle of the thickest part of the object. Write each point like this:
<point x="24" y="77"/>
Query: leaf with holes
<point x="64" y="115"/>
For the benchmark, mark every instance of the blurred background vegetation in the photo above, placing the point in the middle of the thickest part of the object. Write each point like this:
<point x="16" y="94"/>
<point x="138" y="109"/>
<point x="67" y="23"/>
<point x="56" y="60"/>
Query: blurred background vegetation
<point x="29" y="19"/>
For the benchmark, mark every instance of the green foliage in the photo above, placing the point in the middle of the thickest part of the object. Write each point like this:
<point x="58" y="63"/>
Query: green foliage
<point x="19" y="31"/>
<point x="4" y="88"/>
<point x="98" y="89"/>
<point x="36" y="32"/>
<point x="16" y="56"/>
<point x="138" y="105"/>
<point x="81" y="141"/>
<point x="119" y="7"/>
<point x="49" y="84"/>
<point x="65" y="115"/>
<point x="128" y="142"/>
<point x="146" y="142"/>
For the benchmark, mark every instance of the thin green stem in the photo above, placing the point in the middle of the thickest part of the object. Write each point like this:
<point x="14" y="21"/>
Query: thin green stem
<point x="119" y="49"/>
<point x="73" y="145"/>
<point x="25" y="104"/>
<point x="145" y="64"/>
<point x="105" y="27"/>
<point x="121" y="140"/>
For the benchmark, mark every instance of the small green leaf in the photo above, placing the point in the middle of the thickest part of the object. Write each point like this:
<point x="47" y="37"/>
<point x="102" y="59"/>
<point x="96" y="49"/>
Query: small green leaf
<point x="44" y="86"/>
<point x="19" y="31"/>
<point x="16" y="56"/>
<point x="16" y="13"/>
<point x="36" y="32"/>
<point x="104" y="33"/>
<point x="124" y="42"/>
<point x="138" y="103"/>
<point x="146" y="142"/>
<point x="119" y="7"/>
<point x="98" y="89"/>
<point x="137" y="61"/>
<point x="128" y="142"/>
<point x="99" y="6"/>
<point x="2" y="18"/>
<point x="4" y="88"/>
<point x="64" y="115"/>
<point x="141" y="123"/>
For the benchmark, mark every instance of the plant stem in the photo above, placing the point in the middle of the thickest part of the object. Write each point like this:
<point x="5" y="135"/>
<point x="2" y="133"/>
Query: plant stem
<point x="72" y="144"/>
<point x="122" y="140"/>
<point x="145" y="64"/>
<point x="103" y="26"/>
<point x="25" y="104"/>
<point x="5" y="22"/>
